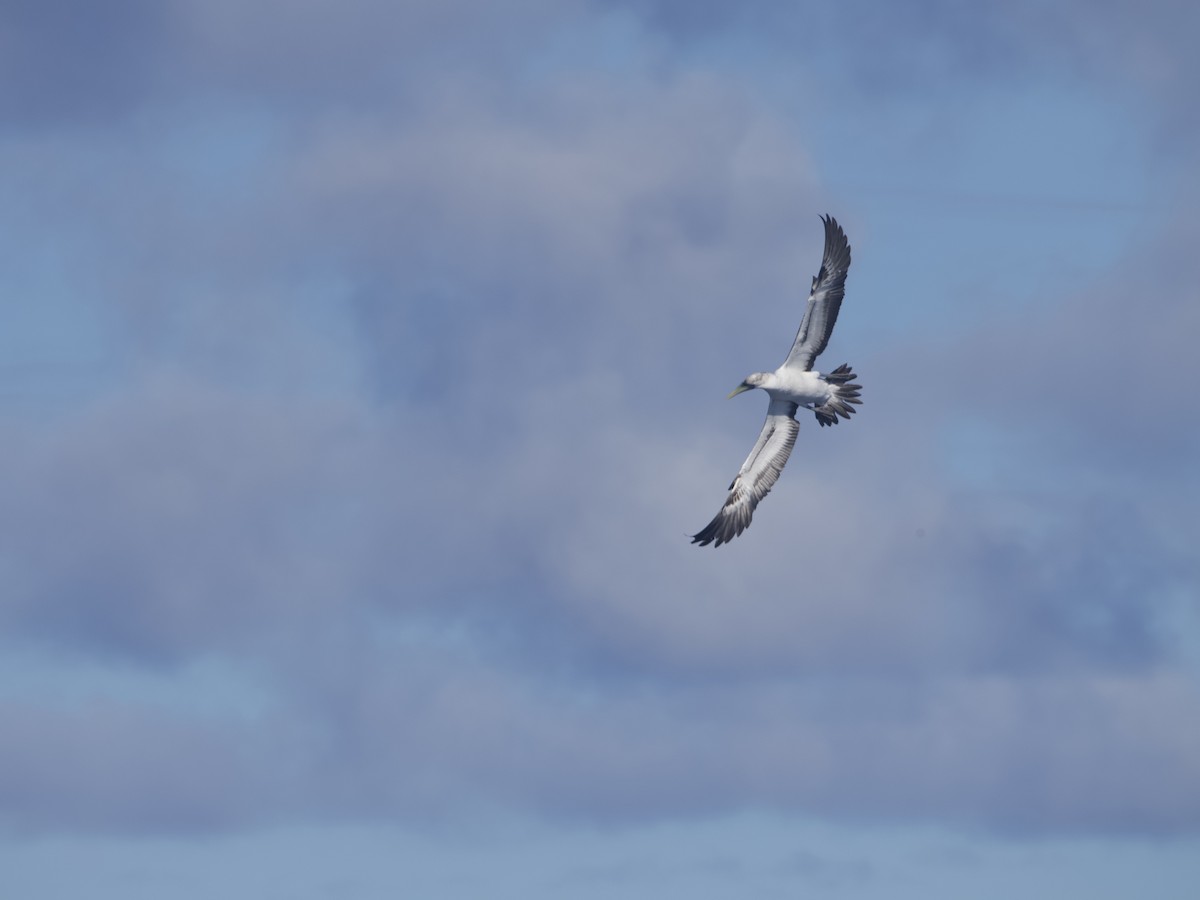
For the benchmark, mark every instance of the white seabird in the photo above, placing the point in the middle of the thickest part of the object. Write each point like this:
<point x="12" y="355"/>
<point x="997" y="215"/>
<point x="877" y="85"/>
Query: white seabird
<point x="794" y="385"/>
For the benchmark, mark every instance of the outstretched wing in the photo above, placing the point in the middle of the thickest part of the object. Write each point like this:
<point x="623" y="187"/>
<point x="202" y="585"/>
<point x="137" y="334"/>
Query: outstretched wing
<point x="756" y="477"/>
<point x="828" y="288"/>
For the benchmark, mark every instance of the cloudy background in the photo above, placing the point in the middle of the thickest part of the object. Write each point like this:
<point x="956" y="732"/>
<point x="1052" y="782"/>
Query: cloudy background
<point x="363" y="372"/>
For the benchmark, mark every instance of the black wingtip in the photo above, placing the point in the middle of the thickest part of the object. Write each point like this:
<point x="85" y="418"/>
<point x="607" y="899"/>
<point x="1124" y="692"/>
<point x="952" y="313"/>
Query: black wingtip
<point x="716" y="532"/>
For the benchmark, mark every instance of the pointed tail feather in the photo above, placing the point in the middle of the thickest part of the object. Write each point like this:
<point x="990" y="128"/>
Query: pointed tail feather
<point x="845" y="393"/>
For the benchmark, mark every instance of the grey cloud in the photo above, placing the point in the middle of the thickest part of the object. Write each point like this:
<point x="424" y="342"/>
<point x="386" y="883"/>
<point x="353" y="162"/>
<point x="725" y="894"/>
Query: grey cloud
<point x="394" y="731"/>
<point x="181" y="515"/>
<point x="1139" y="50"/>
<point x="854" y="567"/>
<point x="68" y="61"/>
<point x="440" y="510"/>
<point x="360" y="55"/>
<point x="110" y="766"/>
<point x="194" y="502"/>
<point x="563" y="241"/>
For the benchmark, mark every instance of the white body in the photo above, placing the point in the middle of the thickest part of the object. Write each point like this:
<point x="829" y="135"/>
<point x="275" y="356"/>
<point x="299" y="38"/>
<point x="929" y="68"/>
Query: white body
<point x="805" y="389"/>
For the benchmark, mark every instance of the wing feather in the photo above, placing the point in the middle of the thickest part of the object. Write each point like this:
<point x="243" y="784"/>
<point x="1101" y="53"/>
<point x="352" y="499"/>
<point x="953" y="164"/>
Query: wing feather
<point x="825" y="300"/>
<point x="756" y="477"/>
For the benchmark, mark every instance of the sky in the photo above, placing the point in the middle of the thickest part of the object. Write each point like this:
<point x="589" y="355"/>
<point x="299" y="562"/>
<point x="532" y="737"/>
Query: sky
<point x="362" y="375"/>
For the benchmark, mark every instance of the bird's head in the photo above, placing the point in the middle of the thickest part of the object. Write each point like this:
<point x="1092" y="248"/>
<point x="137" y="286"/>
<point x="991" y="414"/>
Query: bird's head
<point x="752" y="381"/>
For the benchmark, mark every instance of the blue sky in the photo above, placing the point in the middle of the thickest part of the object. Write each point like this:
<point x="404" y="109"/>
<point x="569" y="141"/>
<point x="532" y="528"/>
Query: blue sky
<point x="363" y="373"/>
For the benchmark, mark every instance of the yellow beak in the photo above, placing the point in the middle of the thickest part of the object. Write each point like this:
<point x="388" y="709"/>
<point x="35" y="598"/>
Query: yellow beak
<point x="739" y="389"/>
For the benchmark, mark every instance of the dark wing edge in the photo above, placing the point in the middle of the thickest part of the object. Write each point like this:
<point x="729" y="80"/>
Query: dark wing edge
<point x="825" y="299"/>
<point x="756" y="477"/>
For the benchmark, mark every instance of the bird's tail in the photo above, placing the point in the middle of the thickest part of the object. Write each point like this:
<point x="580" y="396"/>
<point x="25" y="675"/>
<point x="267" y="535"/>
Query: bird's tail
<point x="845" y="392"/>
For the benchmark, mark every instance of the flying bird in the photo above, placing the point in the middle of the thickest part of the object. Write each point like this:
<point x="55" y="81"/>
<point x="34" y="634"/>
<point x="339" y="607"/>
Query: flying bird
<point x="793" y="386"/>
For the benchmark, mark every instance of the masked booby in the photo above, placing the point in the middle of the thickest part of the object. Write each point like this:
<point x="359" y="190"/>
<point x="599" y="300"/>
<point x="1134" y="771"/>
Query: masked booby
<point x="793" y="386"/>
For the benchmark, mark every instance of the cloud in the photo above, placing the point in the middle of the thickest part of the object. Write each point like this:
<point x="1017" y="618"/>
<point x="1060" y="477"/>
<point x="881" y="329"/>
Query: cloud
<point x="178" y="515"/>
<point x="320" y="54"/>
<point x="113" y="767"/>
<point x="414" y="398"/>
<point x="421" y="731"/>
<point x="69" y="62"/>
